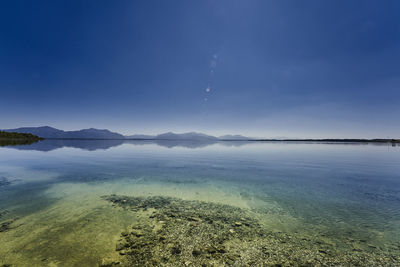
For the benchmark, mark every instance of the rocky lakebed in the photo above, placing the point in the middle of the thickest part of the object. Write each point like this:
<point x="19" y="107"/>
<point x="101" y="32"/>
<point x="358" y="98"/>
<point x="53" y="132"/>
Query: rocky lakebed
<point x="176" y="232"/>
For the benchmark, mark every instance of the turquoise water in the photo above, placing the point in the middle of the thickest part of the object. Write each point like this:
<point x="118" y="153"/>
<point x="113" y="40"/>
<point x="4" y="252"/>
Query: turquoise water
<point x="66" y="203"/>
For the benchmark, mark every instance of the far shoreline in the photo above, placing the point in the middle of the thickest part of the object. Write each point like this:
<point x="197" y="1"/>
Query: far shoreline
<point x="243" y="140"/>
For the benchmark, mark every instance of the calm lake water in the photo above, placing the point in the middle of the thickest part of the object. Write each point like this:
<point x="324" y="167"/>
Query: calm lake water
<point x="114" y="203"/>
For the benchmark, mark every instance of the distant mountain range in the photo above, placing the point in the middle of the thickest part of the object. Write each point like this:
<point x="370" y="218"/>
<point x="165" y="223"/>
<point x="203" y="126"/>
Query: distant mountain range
<point x="186" y="136"/>
<point x="140" y="137"/>
<point x="53" y="133"/>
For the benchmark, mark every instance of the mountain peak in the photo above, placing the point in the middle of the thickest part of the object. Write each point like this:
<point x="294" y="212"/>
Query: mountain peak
<point x="186" y="136"/>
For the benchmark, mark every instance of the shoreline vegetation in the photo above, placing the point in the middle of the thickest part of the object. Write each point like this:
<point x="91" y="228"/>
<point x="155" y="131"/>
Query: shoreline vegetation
<point x="13" y="139"/>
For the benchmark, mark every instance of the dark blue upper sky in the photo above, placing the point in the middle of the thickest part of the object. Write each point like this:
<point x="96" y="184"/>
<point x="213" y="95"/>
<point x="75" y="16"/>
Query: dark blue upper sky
<point x="261" y="68"/>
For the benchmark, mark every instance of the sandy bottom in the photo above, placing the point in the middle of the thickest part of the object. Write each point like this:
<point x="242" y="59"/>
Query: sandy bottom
<point x="152" y="224"/>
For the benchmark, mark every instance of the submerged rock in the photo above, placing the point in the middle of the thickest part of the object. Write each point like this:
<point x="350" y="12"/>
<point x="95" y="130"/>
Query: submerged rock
<point x="137" y="233"/>
<point x="119" y="246"/>
<point x="176" y="250"/>
<point x="109" y="263"/>
<point x="196" y="252"/>
<point x="195" y="233"/>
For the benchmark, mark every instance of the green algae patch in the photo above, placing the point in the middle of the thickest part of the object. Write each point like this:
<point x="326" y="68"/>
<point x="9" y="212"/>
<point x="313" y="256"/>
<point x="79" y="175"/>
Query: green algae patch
<point x="175" y="232"/>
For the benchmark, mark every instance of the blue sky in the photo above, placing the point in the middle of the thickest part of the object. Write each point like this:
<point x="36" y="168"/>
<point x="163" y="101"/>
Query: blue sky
<point x="260" y="68"/>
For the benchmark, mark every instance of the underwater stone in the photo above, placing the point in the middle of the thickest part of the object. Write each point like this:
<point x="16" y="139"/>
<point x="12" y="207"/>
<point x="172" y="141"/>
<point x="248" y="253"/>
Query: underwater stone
<point x="120" y="246"/>
<point x="238" y="224"/>
<point x="193" y="219"/>
<point x="211" y="250"/>
<point x="176" y="250"/>
<point x="137" y="233"/>
<point x="221" y="250"/>
<point x="205" y="244"/>
<point x="196" y="252"/>
<point x="109" y="263"/>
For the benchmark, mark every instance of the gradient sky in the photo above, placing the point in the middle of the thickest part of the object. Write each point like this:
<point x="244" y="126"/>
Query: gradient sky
<point x="259" y="68"/>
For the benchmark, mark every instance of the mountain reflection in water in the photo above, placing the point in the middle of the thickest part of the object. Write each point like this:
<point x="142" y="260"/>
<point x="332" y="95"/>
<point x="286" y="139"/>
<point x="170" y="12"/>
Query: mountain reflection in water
<point x="91" y="145"/>
<point x="95" y="144"/>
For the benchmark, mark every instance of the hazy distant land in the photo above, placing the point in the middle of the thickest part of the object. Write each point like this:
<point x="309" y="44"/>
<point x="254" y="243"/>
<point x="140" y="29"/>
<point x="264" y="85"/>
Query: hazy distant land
<point x="35" y="133"/>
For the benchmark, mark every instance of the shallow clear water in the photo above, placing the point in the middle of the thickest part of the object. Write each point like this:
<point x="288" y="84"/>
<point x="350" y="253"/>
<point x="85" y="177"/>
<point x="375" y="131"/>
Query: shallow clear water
<point x="309" y="203"/>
